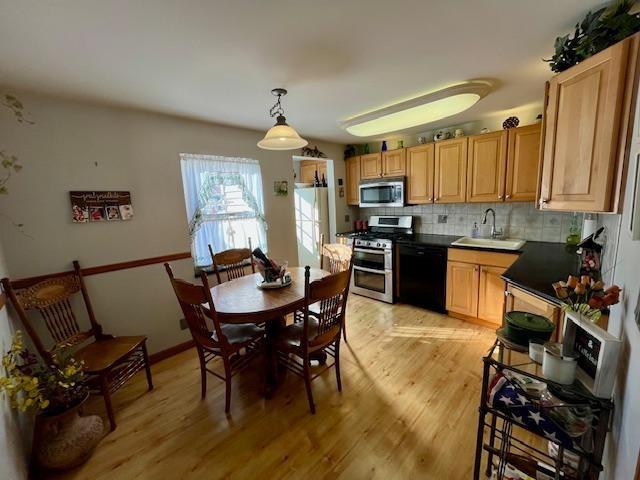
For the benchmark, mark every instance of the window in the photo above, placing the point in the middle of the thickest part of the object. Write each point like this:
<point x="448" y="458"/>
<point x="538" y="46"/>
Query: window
<point x="224" y="202"/>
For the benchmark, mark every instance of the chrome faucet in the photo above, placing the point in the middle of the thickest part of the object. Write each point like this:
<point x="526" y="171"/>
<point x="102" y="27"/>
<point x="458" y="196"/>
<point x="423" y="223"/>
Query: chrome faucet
<point x="495" y="232"/>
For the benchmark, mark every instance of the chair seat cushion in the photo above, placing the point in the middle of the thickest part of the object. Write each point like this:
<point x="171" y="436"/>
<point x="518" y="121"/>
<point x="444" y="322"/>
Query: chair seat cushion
<point x="241" y="333"/>
<point x="103" y="354"/>
<point x="290" y="337"/>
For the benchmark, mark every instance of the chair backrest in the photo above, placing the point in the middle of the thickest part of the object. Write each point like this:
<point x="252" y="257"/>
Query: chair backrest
<point x="330" y="293"/>
<point x="193" y="299"/>
<point x="232" y="261"/>
<point x="337" y="256"/>
<point x="51" y="297"/>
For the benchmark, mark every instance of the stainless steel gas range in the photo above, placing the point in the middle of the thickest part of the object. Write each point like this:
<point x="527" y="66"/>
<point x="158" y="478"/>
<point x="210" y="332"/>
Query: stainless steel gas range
<point x="373" y="261"/>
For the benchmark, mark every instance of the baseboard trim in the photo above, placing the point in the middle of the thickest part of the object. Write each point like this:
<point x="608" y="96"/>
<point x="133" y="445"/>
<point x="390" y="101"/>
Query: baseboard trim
<point x="170" y="352"/>
<point x="474" y="320"/>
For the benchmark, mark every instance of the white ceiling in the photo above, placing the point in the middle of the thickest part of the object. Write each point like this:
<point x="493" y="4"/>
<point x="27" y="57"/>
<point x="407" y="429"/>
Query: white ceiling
<point x="218" y="59"/>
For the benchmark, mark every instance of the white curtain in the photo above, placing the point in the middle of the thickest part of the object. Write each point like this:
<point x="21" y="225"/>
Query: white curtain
<point x="224" y="203"/>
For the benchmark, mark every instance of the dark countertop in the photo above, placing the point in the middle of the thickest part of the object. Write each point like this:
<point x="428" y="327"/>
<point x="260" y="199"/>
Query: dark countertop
<point x="539" y="265"/>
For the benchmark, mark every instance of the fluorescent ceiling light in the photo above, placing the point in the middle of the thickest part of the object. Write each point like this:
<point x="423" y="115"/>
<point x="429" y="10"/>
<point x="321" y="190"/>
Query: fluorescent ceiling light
<point x="417" y="111"/>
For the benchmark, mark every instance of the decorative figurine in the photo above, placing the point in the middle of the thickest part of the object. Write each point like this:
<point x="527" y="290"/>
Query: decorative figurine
<point x="383" y="148"/>
<point x="441" y="135"/>
<point x="458" y="133"/>
<point x="511" y="122"/>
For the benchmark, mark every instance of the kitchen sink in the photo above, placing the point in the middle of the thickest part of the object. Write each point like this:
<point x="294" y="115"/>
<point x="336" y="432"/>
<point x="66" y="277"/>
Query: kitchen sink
<point x="506" y="244"/>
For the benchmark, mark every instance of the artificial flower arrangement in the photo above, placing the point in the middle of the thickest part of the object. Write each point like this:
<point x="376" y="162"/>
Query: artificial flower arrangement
<point x="586" y="296"/>
<point x="37" y="388"/>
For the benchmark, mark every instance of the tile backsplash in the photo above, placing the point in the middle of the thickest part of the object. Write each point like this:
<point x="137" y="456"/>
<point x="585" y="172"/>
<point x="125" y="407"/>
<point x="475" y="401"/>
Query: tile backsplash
<point x="518" y="220"/>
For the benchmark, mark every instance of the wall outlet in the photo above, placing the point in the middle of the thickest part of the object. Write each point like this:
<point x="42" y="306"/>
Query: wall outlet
<point x="183" y="324"/>
<point x="442" y="218"/>
<point x="347" y="218"/>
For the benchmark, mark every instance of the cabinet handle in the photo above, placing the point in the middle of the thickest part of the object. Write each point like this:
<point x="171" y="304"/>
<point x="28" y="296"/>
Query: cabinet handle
<point x="476" y="268"/>
<point x="543" y="202"/>
<point x="507" y="293"/>
<point x="430" y="199"/>
<point x="500" y="197"/>
<point x="508" y="196"/>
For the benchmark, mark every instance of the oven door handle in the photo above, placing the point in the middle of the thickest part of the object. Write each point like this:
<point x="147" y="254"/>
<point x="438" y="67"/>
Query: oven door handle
<point x="366" y="250"/>
<point x="372" y="270"/>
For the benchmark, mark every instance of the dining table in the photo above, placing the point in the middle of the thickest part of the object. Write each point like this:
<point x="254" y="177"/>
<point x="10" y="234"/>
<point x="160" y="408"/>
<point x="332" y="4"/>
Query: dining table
<point x="244" y="300"/>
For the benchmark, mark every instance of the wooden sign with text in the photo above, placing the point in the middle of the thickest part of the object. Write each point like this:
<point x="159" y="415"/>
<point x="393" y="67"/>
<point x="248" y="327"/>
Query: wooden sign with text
<point x="100" y="206"/>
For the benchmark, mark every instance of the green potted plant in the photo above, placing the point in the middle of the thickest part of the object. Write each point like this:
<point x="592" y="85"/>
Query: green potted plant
<point x="54" y="394"/>
<point x="597" y="31"/>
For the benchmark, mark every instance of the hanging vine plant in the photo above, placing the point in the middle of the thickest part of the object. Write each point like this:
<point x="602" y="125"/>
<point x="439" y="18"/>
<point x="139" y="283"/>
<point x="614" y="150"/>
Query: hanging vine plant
<point x="597" y="31"/>
<point x="10" y="162"/>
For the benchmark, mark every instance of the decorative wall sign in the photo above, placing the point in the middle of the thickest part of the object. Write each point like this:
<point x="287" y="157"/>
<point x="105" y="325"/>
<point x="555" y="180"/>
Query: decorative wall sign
<point x="598" y="353"/>
<point x="100" y="206"/>
<point x="281" y="188"/>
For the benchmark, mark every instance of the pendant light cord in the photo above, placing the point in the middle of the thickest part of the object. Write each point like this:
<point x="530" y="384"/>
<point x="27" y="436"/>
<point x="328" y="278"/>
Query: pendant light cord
<point x="277" y="109"/>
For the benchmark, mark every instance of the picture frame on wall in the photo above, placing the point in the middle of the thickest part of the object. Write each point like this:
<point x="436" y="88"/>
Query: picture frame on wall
<point x="100" y="206"/>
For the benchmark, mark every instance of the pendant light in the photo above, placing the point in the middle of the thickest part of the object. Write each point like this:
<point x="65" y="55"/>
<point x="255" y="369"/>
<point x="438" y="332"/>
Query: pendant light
<point x="281" y="136"/>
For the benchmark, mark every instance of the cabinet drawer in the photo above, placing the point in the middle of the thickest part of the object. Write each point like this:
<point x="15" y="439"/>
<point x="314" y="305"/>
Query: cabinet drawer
<point x="494" y="259"/>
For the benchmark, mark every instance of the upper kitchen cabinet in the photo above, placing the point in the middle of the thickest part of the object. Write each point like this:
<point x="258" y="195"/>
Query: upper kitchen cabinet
<point x="450" y="159"/>
<point x="370" y="166"/>
<point x="393" y="163"/>
<point x="523" y="158"/>
<point x="308" y="169"/>
<point x="587" y="122"/>
<point x="353" y="180"/>
<point x="486" y="167"/>
<point x="420" y="174"/>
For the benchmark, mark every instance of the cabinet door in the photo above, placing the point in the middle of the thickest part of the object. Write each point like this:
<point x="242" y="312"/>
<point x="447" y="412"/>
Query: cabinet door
<point x="581" y="132"/>
<point x="462" y="288"/>
<point x="450" y="158"/>
<point x="522" y="301"/>
<point x="353" y="180"/>
<point x="487" y="167"/>
<point x="393" y="163"/>
<point x="420" y="174"/>
<point x="307" y="171"/>
<point x="491" y="294"/>
<point x="370" y="166"/>
<point x="523" y="158"/>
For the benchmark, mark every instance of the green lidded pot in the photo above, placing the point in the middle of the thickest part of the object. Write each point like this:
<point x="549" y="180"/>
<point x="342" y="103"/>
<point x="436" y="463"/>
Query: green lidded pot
<point x="524" y="326"/>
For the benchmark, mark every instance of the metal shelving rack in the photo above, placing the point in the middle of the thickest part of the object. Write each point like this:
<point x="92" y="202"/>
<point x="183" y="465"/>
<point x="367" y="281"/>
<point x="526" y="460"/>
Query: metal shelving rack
<point x="502" y="445"/>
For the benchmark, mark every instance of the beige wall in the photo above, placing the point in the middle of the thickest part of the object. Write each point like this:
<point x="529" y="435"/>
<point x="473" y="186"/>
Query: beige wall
<point x="82" y="146"/>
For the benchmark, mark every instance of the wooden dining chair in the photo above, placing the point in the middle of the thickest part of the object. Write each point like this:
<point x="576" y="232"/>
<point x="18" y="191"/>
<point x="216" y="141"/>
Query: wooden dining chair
<point x="233" y="261"/>
<point x="225" y="340"/>
<point x="298" y="342"/>
<point x="337" y="258"/>
<point x="109" y="362"/>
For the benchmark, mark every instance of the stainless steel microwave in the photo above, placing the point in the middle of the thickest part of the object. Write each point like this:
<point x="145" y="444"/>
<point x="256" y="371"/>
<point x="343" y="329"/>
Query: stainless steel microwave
<point x="382" y="193"/>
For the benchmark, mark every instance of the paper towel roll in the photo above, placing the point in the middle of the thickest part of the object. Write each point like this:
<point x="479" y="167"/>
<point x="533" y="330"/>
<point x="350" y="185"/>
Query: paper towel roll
<point x="589" y="225"/>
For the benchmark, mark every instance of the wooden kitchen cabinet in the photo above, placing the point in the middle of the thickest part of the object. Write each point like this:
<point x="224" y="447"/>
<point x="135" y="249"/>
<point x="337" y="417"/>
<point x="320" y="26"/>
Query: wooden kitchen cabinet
<point x="394" y="163"/>
<point x="462" y="288"/>
<point x="420" y="174"/>
<point x="491" y="294"/>
<point x="353" y="180"/>
<point x="475" y="288"/>
<point x="523" y="159"/>
<point x="308" y="170"/>
<point x="370" y="166"/>
<point x="450" y="177"/>
<point x="520" y="300"/>
<point x="588" y="117"/>
<point x="487" y="165"/>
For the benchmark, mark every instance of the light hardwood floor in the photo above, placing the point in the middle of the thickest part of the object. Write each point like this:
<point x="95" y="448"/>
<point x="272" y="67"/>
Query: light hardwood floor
<point x="408" y="409"/>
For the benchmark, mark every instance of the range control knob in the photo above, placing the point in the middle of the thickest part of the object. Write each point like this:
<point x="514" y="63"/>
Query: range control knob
<point x="377" y="245"/>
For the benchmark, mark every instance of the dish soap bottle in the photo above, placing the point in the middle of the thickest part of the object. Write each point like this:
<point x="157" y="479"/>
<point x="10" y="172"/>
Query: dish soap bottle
<point x="574" y="231"/>
<point x="475" y="233"/>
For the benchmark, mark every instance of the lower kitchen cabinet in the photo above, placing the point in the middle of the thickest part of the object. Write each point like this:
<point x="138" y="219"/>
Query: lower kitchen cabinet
<point x="475" y="288"/>
<point x="462" y="288"/>
<point x="491" y="294"/>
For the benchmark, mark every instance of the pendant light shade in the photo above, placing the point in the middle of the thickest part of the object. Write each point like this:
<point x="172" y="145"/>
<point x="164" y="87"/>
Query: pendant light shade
<point x="281" y="136"/>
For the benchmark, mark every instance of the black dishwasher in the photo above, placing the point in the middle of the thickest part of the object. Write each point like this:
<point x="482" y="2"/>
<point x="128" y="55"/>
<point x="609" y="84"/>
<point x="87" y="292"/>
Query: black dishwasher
<point x="423" y="276"/>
